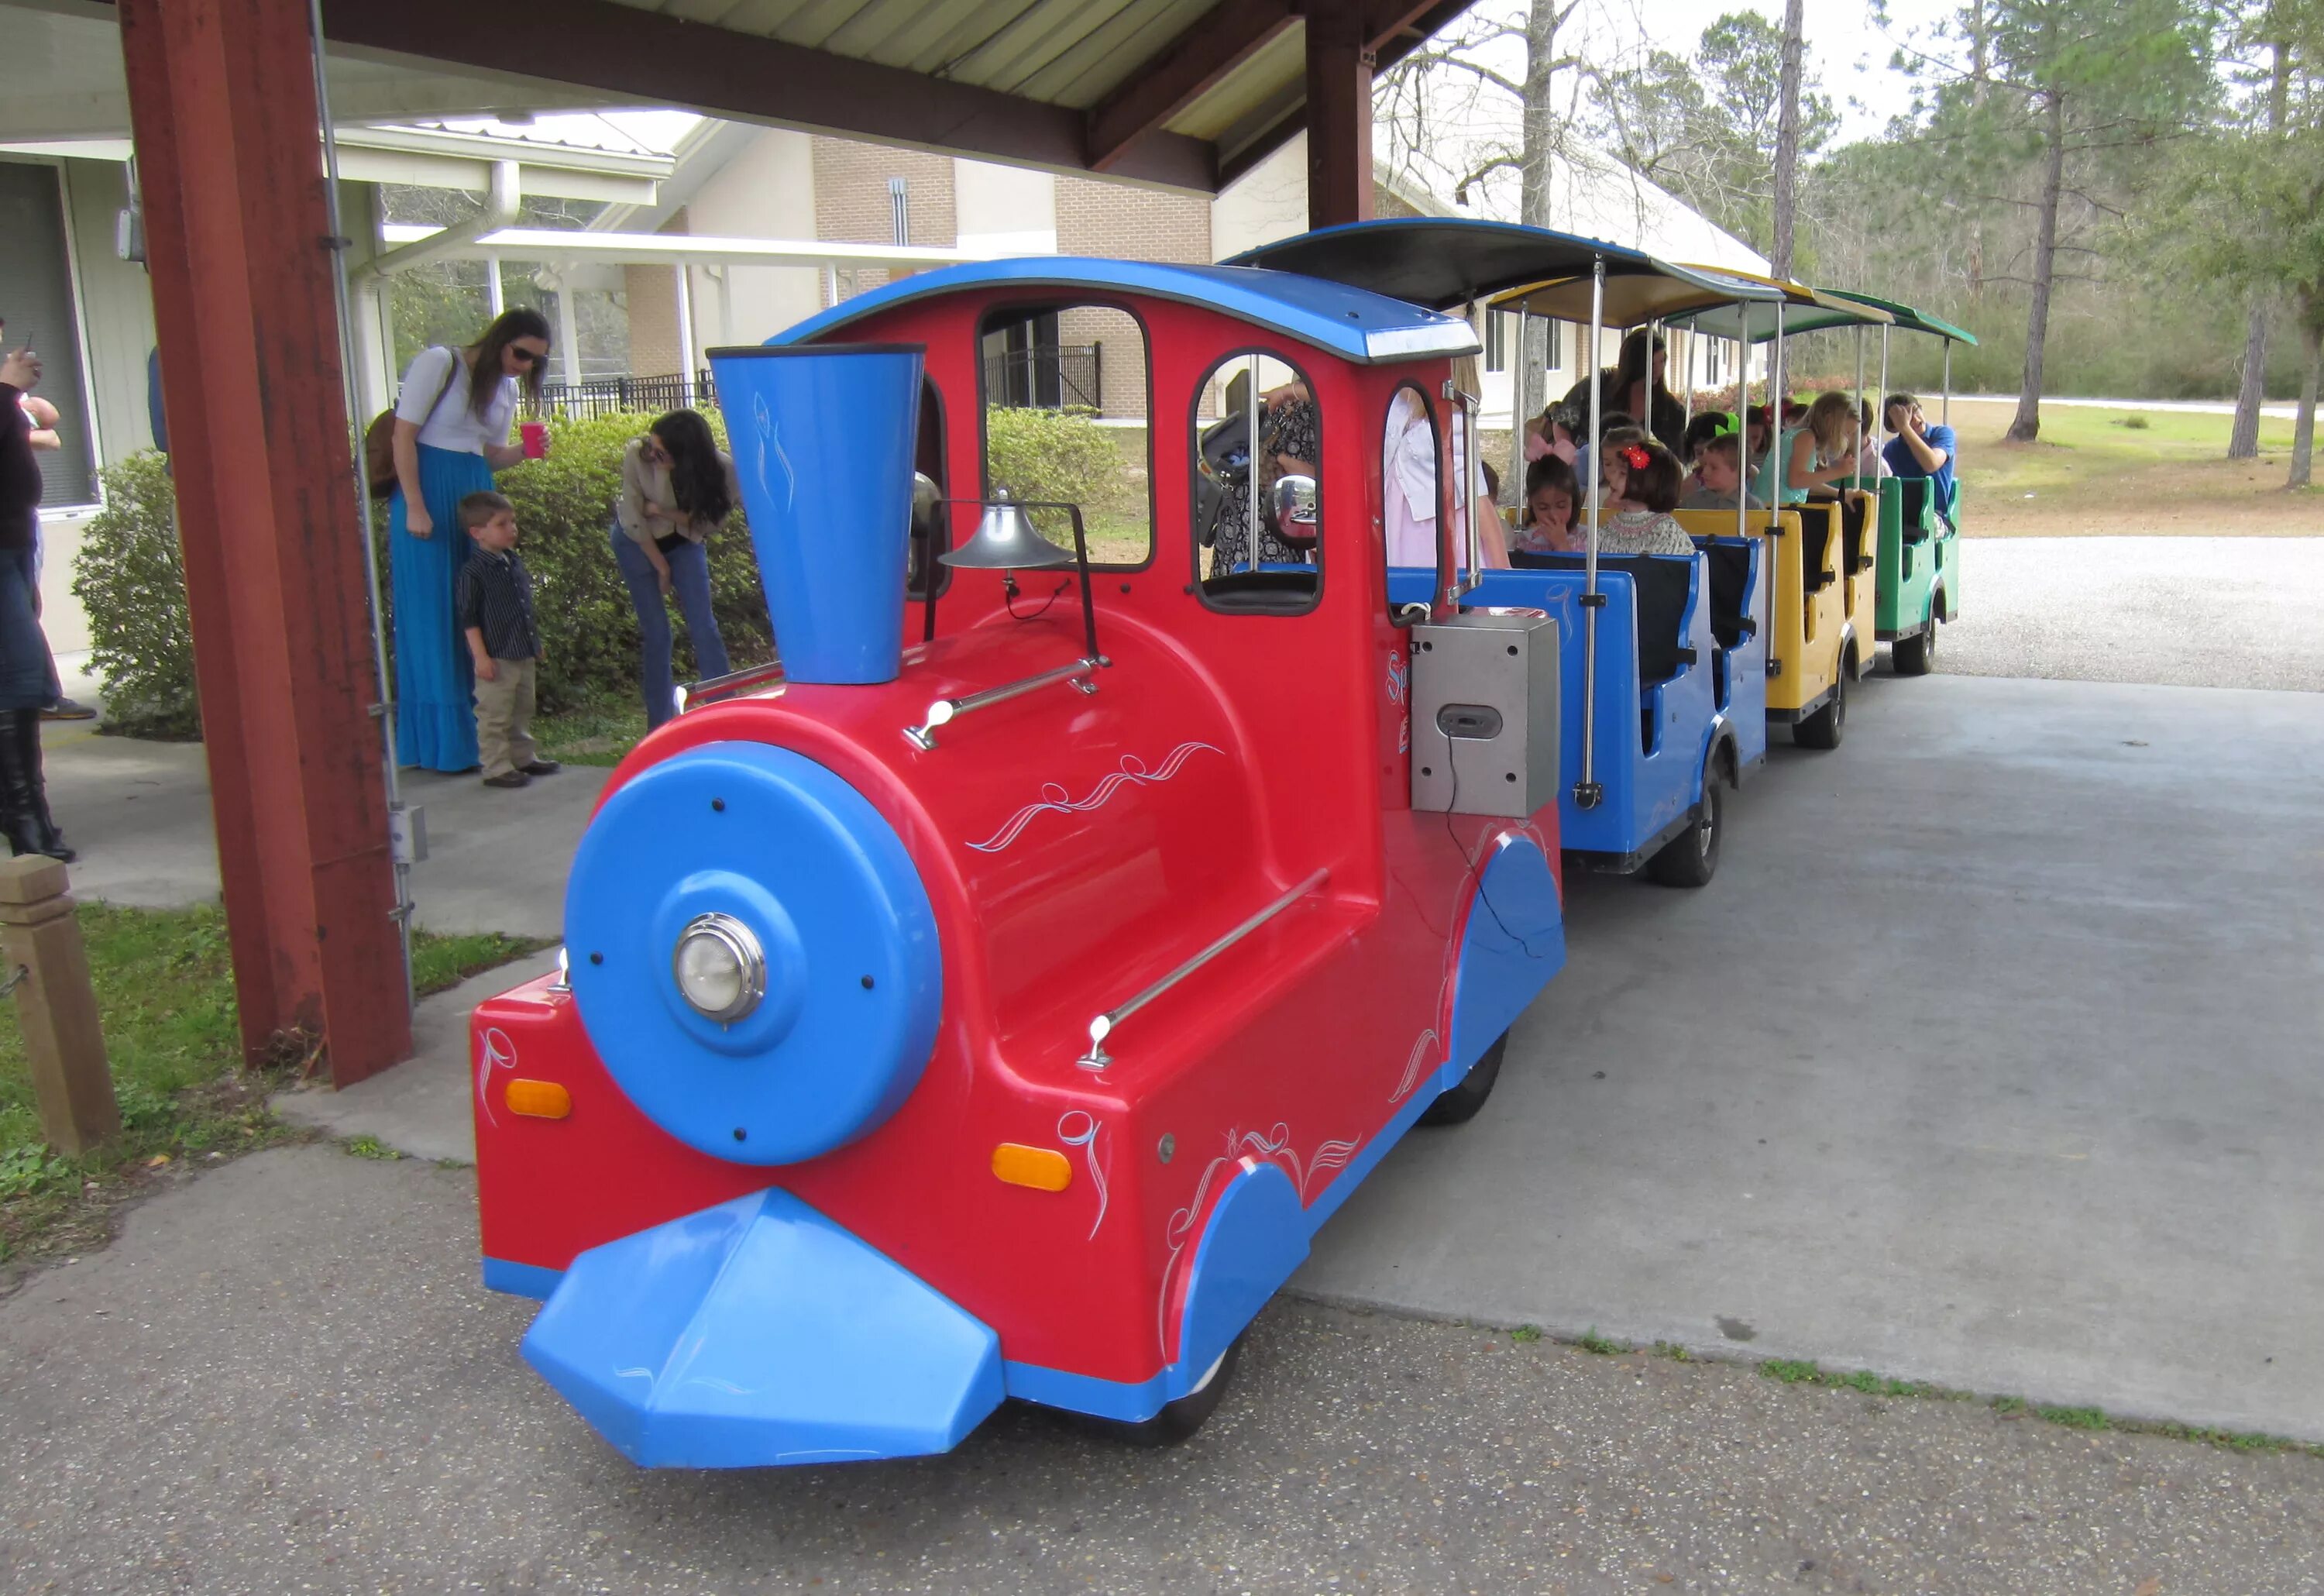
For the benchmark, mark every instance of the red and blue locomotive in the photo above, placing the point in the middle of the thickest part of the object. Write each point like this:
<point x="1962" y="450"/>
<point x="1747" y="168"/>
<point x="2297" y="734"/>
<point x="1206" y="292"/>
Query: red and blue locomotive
<point x="998" y="1013"/>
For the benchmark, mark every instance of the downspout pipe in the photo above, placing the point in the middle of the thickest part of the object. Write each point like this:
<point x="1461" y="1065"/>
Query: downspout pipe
<point x="500" y="203"/>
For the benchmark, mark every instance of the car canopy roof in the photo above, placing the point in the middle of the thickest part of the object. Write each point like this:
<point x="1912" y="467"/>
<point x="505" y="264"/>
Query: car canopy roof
<point x="1805" y="311"/>
<point x="1357" y="326"/>
<point x="1441" y="262"/>
<point x="1912" y="321"/>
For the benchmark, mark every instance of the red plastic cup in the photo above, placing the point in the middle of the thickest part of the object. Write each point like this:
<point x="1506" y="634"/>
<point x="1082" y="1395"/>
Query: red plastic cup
<point x="535" y="437"/>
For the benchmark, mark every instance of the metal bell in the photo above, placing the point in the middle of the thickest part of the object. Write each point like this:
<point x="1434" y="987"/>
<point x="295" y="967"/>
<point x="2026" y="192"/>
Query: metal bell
<point x="1005" y="540"/>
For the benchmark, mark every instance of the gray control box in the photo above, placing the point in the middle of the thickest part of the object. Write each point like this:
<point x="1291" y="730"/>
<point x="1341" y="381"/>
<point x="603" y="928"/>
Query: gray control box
<point x="1484" y="714"/>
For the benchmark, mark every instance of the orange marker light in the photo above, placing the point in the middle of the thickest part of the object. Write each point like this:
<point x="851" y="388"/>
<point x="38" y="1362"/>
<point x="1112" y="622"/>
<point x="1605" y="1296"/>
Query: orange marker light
<point x="539" y="1100"/>
<point x="1043" y="1168"/>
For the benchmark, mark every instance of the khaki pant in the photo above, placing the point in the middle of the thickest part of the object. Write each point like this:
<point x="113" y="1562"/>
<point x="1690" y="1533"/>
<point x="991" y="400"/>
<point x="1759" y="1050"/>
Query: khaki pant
<point x="504" y="716"/>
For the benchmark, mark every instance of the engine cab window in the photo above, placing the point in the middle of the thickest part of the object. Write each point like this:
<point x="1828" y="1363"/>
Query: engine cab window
<point x="1411" y="494"/>
<point x="1067" y="403"/>
<point x="1258" y="457"/>
<point x="930" y="525"/>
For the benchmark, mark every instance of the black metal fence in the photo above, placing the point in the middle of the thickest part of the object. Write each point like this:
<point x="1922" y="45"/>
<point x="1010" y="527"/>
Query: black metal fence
<point x="1045" y="376"/>
<point x="607" y="396"/>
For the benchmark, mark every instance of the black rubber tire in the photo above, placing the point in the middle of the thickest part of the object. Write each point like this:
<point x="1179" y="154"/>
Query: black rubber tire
<point x="1914" y="656"/>
<point x="1692" y="858"/>
<point x="1457" y="1105"/>
<point x="1178" y="1420"/>
<point x="1826" y="726"/>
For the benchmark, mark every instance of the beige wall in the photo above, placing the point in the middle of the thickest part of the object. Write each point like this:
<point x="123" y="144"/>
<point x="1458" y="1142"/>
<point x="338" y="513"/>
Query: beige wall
<point x="1007" y="210"/>
<point x="767" y="191"/>
<point x="851" y="199"/>
<point x="651" y="295"/>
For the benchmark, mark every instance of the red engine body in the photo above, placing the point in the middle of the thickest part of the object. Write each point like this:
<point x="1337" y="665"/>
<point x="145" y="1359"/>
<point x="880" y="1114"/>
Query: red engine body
<point x="1075" y="849"/>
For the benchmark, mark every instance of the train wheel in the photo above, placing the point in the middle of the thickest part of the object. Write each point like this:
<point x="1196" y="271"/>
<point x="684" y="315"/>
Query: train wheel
<point x="1691" y="858"/>
<point x="1180" y="1419"/>
<point x="1457" y="1105"/>
<point x="1914" y="655"/>
<point x="1824" y="728"/>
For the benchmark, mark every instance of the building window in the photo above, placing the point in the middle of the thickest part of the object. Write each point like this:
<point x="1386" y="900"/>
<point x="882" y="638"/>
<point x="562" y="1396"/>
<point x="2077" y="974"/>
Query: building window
<point x="1065" y="405"/>
<point x="1501" y="345"/>
<point x="1235" y="486"/>
<point x="36" y="297"/>
<point x="899" y="210"/>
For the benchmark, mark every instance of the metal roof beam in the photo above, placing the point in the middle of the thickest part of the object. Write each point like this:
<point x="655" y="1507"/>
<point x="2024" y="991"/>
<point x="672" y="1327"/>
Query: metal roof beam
<point x="653" y="59"/>
<point x="1224" y="37"/>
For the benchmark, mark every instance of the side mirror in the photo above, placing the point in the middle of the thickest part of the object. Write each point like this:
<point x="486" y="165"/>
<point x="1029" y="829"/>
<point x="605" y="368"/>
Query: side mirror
<point x="1295" y="510"/>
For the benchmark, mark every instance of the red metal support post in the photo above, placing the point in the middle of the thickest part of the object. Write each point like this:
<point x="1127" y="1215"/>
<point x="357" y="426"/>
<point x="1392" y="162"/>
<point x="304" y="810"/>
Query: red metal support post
<point x="222" y="104"/>
<point x="1339" y="62"/>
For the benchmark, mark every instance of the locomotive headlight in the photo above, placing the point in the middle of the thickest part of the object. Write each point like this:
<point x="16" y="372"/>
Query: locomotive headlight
<point x="720" y="967"/>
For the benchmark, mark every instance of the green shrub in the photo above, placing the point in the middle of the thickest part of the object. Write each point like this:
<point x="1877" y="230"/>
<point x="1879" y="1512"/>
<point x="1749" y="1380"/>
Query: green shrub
<point x="129" y="577"/>
<point x="589" y="630"/>
<point x="131" y="581"/>
<point x="1062" y="456"/>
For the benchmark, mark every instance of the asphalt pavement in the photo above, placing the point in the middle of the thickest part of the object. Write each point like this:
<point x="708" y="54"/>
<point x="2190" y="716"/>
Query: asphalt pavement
<point x="2071" y="1157"/>
<point x="284" y="1377"/>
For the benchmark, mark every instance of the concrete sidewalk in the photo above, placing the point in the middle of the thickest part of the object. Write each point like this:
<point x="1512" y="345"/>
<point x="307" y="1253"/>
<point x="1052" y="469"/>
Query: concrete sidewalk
<point x="284" y="1376"/>
<point x="140" y="814"/>
<point x="1990" y="1058"/>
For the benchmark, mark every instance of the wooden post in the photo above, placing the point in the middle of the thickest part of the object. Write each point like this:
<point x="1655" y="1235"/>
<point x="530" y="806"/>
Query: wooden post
<point x="64" y="1044"/>
<point x="230" y="165"/>
<point x="1339" y="117"/>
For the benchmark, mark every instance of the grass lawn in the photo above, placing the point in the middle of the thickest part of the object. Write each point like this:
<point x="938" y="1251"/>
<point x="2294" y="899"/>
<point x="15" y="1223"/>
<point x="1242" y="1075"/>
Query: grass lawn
<point x="596" y="732"/>
<point x="2100" y="471"/>
<point x="165" y="990"/>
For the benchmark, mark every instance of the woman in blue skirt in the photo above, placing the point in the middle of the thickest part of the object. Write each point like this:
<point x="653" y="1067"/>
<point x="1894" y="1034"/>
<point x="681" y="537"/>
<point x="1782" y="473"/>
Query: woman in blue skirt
<point x="452" y="428"/>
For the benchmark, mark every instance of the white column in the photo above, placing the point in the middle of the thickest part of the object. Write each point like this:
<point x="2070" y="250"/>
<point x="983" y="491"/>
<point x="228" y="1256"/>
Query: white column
<point x="569" y="343"/>
<point x="685" y="320"/>
<point x="499" y="299"/>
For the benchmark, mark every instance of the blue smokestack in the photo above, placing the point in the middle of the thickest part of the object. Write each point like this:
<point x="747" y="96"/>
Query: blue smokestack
<point x="823" y="441"/>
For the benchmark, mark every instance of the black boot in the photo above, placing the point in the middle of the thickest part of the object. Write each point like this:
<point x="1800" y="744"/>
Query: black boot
<point x="51" y="839"/>
<point x="24" y="790"/>
<point x="24" y="832"/>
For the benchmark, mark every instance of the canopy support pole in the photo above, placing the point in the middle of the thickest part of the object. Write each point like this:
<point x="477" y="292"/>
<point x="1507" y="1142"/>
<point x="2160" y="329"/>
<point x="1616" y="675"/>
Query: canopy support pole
<point x="1859" y="406"/>
<point x="1520" y="408"/>
<point x="1251" y="475"/>
<point x="1881" y="422"/>
<point x="1586" y="791"/>
<point x="1690" y="380"/>
<point x="1743" y="432"/>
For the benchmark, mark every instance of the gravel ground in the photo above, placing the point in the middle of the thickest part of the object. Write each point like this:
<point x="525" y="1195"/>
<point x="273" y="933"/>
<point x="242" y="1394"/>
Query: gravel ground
<point x="2173" y="612"/>
<point x="284" y="1377"/>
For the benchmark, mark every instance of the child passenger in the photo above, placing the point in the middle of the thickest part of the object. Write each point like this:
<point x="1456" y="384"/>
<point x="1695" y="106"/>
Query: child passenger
<point x="1642" y="482"/>
<point x="1551" y="497"/>
<point x="1719" y="465"/>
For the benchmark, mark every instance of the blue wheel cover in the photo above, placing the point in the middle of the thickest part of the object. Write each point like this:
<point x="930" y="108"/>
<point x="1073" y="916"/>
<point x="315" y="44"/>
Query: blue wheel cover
<point x="855" y="972"/>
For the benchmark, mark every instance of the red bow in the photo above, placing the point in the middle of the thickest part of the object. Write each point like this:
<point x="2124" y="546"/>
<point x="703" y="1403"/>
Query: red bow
<point x="1636" y="454"/>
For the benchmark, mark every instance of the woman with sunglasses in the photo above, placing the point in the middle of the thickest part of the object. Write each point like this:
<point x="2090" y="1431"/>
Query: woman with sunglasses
<point x="452" y="426"/>
<point x="678" y="487"/>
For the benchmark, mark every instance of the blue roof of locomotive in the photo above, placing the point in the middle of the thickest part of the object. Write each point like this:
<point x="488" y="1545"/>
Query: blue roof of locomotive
<point x="1349" y="322"/>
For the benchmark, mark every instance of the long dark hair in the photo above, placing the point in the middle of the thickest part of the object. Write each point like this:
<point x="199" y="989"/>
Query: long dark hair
<point x="697" y="477"/>
<point x="1636" y="365"/>
<point x="507" y="328"/>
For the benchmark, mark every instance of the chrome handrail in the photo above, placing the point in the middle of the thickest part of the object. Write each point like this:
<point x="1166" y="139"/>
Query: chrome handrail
<point x="713" y="688"/>
<point x="1102" y="1027"/>
<point x="945" y="711"/>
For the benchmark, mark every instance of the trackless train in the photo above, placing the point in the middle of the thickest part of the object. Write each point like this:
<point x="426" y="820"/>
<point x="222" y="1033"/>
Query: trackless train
<point x="992" y="1000"/>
